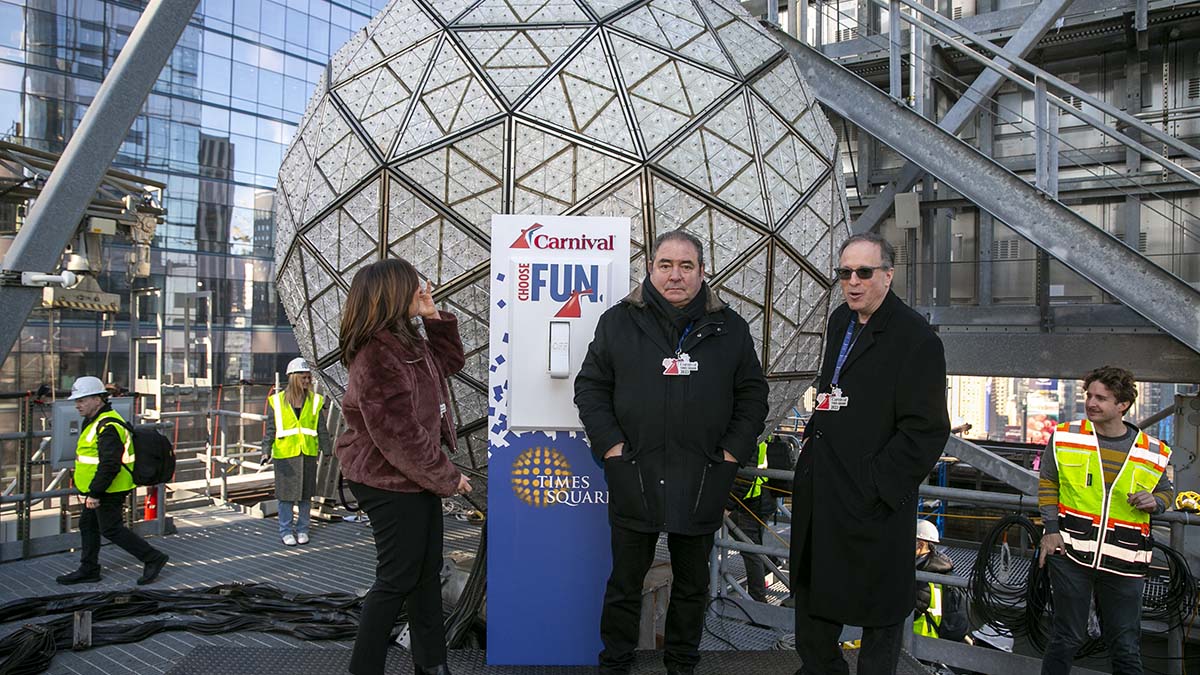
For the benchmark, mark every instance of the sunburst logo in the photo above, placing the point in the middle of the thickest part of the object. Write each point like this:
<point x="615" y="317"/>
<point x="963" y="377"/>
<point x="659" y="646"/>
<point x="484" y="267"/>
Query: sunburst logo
<point x="541" y="476"/>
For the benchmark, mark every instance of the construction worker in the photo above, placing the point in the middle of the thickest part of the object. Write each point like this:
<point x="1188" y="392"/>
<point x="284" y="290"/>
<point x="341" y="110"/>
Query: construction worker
<point x="103" y="463"/>
<point x="296" y="434"/>
<point x="749" y="511"/>
<point x="927" y="614"/>
<point x="1100" y="482"/>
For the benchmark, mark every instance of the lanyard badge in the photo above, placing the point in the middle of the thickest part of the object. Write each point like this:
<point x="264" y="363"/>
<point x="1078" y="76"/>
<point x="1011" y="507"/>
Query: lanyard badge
<point x="835" y="400"/>
<point x="681" y="364"/>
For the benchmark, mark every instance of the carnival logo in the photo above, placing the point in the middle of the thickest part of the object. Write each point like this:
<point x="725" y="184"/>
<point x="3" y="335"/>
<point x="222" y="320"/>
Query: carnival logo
<point x="528" y="238"/>
<point x="542" y="477"/>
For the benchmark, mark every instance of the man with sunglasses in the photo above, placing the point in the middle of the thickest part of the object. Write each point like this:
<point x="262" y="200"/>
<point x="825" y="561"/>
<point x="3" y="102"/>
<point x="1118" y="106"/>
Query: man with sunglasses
<point x="878" y="427"/>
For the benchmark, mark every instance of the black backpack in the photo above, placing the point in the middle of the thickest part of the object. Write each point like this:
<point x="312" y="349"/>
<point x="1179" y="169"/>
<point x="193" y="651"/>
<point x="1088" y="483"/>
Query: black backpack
<point x="153" y="456"/>
<point x="956" y="621"/>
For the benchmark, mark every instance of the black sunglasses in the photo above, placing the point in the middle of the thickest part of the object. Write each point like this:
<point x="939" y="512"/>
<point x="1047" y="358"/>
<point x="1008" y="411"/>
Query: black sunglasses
<point x="863" y="273"/>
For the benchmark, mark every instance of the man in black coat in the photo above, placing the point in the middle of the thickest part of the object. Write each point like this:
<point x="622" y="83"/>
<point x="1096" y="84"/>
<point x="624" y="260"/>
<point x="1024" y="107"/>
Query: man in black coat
<point x="878" y="428"/>
<point x="673" y="398"/>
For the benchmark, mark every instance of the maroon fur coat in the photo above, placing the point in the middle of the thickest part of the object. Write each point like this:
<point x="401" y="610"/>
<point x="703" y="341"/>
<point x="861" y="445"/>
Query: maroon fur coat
<point x="392" y="403"/>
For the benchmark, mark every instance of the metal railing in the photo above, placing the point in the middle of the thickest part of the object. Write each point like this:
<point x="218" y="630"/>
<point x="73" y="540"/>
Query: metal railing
<point x="731" y="538"/>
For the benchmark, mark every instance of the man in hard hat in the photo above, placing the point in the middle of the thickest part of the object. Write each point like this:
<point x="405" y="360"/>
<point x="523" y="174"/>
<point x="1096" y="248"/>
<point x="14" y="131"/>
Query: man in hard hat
<point x="296" y="435"/>
<point x="103" y="464"/>
<point x="927" y="613"/>
<point x="1100" y="480"/>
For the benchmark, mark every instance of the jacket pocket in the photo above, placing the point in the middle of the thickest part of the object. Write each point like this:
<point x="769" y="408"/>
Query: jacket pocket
<point x="716" y="479"/>
<point x="626" y="489"/>
<point x="1144" y="479"/>
<point x="1074" y="466"/>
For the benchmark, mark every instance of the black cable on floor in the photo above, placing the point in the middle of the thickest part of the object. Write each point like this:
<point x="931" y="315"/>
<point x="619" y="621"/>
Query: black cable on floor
<point x="209" y="611"/>
<point x="1017" y="605"/>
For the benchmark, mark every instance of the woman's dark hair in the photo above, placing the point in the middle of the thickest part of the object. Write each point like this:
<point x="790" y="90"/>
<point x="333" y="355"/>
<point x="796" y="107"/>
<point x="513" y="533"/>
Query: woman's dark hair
<point x="379" y="298"/>
<point x="1118" y="380"/>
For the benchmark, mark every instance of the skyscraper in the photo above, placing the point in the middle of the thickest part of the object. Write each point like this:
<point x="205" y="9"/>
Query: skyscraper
<point x="213" y="130"/>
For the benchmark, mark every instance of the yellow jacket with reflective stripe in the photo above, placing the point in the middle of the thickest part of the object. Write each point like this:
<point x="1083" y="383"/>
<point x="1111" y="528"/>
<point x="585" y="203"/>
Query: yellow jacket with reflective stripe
<point x="922" y="625"/>
<point x="87" y="453"/>
<point x="295" y="436"/>
<point x="756" y="489"/>
<point x="1099" y="527"/>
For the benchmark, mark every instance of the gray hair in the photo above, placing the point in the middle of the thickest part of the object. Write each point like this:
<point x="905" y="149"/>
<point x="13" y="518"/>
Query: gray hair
<point x="887" y="252"/>
<point x="676" y="235"/>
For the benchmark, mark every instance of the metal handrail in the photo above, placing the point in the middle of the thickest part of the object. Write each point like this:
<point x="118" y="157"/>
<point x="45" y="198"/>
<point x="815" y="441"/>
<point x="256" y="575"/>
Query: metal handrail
<point x="1049" y="78"/>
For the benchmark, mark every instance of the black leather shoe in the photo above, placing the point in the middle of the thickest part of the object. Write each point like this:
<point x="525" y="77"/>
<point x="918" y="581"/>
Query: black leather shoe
<point x="152" y="569"/>
<point x="79" y="576"/>
<point x="436" y="670"/>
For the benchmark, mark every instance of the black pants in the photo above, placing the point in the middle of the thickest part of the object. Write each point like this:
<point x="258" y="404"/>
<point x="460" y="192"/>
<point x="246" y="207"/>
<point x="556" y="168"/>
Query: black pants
<point x="756" y="569"/>
<point x="1119" y="604"/>
<point x="108" y="520"/>
<point x="408" y="549"/>
<point x="817" y="638"/>
<point x="633" y="553"/>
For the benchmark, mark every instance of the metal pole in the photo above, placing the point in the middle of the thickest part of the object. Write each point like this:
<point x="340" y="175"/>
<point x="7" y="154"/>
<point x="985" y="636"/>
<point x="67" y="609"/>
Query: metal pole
<point x="896" y="81"/>
<point x="1175" y="645"/>
<point x="25" y="510"/>
<point x="55" y="216"/>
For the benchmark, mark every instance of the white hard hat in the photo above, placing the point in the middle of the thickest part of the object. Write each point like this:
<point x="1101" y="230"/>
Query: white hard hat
<point x="86" y="386"/>
<point x="927" y="531"/>
<point x="297" y="365"/>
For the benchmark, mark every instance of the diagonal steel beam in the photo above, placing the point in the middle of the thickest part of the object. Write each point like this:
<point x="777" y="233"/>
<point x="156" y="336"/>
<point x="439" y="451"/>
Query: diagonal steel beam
<point x="992" y="464"/>
<point x="56" y="214"/>
<point x="1022" y="42"/>
<point x="1161" y="297"/>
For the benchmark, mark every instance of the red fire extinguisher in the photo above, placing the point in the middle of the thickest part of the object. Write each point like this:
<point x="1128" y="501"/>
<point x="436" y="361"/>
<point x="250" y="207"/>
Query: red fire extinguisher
<point x="151" y="511"/>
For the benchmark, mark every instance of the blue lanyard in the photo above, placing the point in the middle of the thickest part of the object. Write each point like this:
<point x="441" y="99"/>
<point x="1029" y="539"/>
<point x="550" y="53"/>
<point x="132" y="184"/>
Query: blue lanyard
<point x="686" y="330"/>
<point x="848" y="343"/>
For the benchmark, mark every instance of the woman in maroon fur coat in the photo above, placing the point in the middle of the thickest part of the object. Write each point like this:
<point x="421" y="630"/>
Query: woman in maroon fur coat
<point x="397" y="415"/>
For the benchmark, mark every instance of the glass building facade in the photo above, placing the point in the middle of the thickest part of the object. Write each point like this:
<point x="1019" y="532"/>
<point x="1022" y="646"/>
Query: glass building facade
<point x="213" y="130"/>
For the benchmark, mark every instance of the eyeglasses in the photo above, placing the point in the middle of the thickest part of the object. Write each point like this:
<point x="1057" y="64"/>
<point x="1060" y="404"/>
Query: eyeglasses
<point x="863" y="273"/>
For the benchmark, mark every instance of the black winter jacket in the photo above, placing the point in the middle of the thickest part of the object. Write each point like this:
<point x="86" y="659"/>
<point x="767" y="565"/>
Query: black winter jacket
<point x="671" y="476"/>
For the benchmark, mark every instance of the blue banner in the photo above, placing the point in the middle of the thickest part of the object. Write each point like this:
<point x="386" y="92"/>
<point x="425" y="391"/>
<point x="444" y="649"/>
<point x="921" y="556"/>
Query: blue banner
<point x="548" y="551"/>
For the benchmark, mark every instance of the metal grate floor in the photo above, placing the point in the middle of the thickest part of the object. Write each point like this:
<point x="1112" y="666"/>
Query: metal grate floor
<point x="208" y="660"/>
<point x="219" y="546"/>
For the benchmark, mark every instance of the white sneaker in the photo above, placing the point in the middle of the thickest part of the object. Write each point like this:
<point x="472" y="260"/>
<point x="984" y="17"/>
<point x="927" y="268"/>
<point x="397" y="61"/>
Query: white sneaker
<point x="289" y="540"/>
<point x="302" y="538"/>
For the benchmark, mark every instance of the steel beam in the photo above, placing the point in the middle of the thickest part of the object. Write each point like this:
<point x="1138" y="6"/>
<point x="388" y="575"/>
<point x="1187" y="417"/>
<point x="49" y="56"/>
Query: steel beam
<point x="984" y="86"/>
<point x="980" y="659"/>
<point x="992" y="464"/>
<point x="1164" y="299"/>
<point x="56" y="215"/>
<point x="1152" y="357"/>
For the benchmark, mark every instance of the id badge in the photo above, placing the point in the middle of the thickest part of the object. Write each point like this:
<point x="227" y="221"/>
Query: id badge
<point x="680" y="365"/>
<point x="833" y="401"/>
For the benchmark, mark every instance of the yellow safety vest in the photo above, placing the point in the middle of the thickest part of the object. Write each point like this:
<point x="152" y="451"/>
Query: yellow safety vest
<point x="756" y="489"/>
<point x="295" y="436"/>
<point x="922" y="625"/>
<point x="1099" y="527"/>
<point x="87" y="454"/>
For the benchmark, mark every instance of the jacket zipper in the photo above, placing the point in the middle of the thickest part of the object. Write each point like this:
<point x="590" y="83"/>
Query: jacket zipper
<point x="443" y="409"/>
<point x="1107" y="495"/>
<point x="700" y="492"/>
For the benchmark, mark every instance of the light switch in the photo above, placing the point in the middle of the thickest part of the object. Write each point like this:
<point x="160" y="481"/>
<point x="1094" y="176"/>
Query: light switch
<point x="560" y="349"/>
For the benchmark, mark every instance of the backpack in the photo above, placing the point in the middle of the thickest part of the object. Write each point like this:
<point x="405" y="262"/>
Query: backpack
<point x="153" y="456"/>
<point x="956" y="622"/>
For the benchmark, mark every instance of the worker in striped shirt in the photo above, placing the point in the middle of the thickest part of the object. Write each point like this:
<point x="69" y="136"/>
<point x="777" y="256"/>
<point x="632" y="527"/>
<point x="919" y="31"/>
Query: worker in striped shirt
<point x="1101" y="478"/>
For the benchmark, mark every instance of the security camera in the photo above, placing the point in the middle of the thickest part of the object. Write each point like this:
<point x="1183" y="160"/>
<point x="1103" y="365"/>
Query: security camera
<point x="67" y="279"/>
